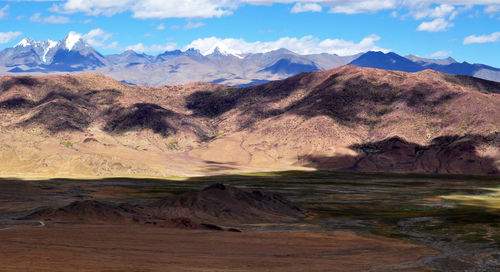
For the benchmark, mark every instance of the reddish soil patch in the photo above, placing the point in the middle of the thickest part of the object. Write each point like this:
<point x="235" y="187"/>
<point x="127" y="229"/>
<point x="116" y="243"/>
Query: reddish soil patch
<point x="142" y="248"/>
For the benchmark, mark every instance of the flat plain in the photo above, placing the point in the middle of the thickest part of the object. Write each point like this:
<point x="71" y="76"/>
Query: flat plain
<point x="355" y="222"/>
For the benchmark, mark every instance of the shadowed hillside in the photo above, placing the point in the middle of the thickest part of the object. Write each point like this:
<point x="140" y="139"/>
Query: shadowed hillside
<point x="88" y="125"/>
<point x="217" y="204"/>
<point x="444" y="155"/>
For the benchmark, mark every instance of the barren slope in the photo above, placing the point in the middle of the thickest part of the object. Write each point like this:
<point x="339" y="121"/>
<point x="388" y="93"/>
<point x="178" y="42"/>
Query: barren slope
<point x="350" y="118"/>
<point x="216" y="204"/>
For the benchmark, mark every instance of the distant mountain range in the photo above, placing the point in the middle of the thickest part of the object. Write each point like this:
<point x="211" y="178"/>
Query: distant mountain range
<point x="220" y="64"/>
<point x="392" y="61"/>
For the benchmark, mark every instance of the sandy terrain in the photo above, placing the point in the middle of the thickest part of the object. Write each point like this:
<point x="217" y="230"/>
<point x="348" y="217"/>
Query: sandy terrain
<point x="133" y="248"/>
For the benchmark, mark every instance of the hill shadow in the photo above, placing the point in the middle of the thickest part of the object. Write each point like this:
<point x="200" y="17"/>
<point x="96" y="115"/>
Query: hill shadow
<point x="26" y="81"/>
<point x="357" y="100"/>
<point x="444" y="155"/>
<point x="140" y="116"/>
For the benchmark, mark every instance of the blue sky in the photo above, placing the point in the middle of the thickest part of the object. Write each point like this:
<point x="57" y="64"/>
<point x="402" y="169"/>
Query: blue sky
<point x="466" y="30"/>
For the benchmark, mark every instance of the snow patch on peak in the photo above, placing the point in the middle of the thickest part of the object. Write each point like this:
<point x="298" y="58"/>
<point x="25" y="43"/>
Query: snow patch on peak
<point x="50" y="45"/>
<point x="222" y="49"/>
<point x="72" y="39"/>
<point x="24" y="42"/>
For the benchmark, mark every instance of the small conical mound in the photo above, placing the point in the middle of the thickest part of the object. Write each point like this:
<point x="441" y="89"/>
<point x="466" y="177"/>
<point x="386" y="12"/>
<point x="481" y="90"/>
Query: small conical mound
<point x="222" y="203"/>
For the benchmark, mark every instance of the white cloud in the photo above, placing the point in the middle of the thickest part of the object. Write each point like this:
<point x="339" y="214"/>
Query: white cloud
<point x="445" y="10"/>
<point x="304" y="45"/>
<point x="440" y="54"/>
<point x="493" y="37"/>
<point x="97" y="37"/>
<point x="492" y="9"/>
<point x="6" y="37"/>
<point x="181" y="9"/>
<point x="36" y="17"/>
<point x="436" y="25"/>
<point x="52" y="19"/>
<point x="145" y="9"/>
<point x="93" y="7"/>
<point x="140" y="47"/>
<point x="308" y="7"/>
<point x="112" y="45"/>
<point x="442" y="14"/>
<point x="191" y="25"/>
<point x="3" y="12"/>
<point x="160" y="27"/>
<point x="361" y="6"/>
<point x="217" y="8"/>
<point x="440" y="11"/>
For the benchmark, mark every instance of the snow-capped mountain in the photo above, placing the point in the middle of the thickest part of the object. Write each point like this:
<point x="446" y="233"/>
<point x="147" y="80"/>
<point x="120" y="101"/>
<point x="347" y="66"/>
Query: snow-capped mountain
<point x="71" y="40"/>
<point x="74" y="53"/>
<point x="219" y="64"/>
<point x="70" y="54"/>
<point x="27" y="52"/>
<point x="42" y="49"/>
<point x="219" y="49"/>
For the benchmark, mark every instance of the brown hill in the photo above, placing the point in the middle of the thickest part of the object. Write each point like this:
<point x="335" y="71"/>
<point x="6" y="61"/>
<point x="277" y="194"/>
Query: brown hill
<point x="220" y="203"/>
<point x="216" y="204"/>
<point x="95" y="212"/>
<point x="350" y="118"/>
<point x="88" y="211"/>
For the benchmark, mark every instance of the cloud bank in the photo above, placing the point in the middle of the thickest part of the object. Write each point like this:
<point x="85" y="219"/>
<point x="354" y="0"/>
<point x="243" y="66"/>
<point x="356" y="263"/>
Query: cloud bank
<point x="489" y="38"/>
<point x="304" y="45"/>
<point x="6" y="37"/>
<point x="162" y="9"/>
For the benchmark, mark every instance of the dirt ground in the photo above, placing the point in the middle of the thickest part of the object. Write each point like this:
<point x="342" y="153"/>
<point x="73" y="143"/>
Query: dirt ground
<point x="139" y="248"/>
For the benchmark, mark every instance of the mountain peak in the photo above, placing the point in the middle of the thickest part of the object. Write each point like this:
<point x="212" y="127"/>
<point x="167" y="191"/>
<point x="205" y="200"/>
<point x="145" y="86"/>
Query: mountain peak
<point x="49" y="44"/>
<point x="71" y="40"/>
<point x="25" y="42"/>
<point x="129" y="52"/>
<point x="387" y="61"/>
<point x="451" y="59"/>
<point x="429" y="61"/>
<point x="193" y="52"/>
<point x="282" y="51"/>
<point x="221" y="49"/>
<point x="176" y="52"/>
